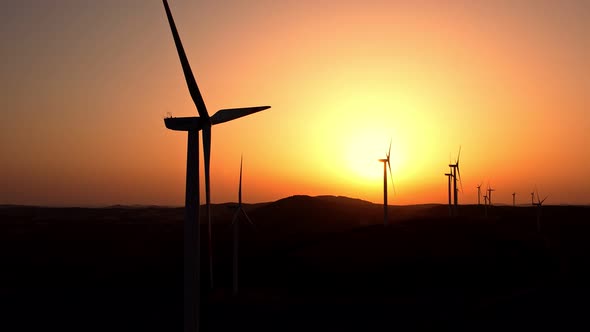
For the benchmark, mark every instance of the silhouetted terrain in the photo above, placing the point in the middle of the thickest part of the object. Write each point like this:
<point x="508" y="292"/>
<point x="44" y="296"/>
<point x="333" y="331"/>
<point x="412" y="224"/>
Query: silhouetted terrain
<point x="310" y="263"/>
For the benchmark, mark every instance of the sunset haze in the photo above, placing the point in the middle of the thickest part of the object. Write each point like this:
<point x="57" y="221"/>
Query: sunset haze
<point x="86" y="86"/>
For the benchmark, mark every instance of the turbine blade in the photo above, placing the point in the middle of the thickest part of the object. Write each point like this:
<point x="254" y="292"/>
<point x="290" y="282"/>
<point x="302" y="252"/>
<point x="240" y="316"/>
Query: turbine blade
<point x="229" y="114"/>
<point x="391" y="177"/>
<point x="459" y="172"/>
<point x="207" y="153"/>
<point x="389" y="152"/>
<point x="458" y="155"/>
<point x="240" y="188"/>
<point x="247" y="218"/>
<point x="191" y="83"/>
<point x="544" y="199"/>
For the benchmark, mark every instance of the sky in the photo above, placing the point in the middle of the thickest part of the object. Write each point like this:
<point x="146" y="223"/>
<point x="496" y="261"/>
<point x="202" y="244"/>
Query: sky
<point x="86" y="85"/>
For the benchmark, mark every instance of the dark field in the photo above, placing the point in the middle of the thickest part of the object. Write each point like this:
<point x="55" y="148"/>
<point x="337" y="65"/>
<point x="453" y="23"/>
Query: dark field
<point x="310" y="264"/>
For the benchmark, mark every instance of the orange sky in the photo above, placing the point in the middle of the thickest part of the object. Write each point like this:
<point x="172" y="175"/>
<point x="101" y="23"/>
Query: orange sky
<point x="86" y="86"/>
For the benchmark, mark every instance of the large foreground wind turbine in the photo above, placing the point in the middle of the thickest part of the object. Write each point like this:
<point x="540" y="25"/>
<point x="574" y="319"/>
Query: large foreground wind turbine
<point x="192" y="200"/>
<point x="204" y="122"/>
<point x="386" y="164"/>
<point x="236" y="226"/>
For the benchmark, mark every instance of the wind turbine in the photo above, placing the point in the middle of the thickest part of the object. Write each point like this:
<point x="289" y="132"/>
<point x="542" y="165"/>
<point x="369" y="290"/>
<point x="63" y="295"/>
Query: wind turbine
<point x="490" y="189"/>
<point x="204" y="122"/>
<point x="456" y="172"/>
<point x="449" y="175"/>
<point x="514" y="199"/>
<point x="386" y="163"/>
<point x="539" y="203"/>
<point x="485" y="200"/>
<point x="533" y="198"/>
<point x="192" y="200"/>
<point x="479" y="193"/>
<point x="236" y="224"/>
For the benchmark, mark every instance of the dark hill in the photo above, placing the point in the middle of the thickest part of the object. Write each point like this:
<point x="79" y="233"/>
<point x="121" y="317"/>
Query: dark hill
<point x="310" y="263"/>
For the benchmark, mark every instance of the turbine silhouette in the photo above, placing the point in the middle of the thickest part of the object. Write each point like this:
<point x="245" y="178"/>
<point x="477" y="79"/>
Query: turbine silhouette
<point x="386" y="164"/>
<point x="490" y="189"/>
<point x="479" y="193"/>
<point x="449" y="176"/>
<point x="456" y="172"/>
<point x="539" y="203"/>
<point x="204" y="122"/>
<point x="192" y="200"/>
<point x="514" y="199"/>
<point x="236" y="226"/>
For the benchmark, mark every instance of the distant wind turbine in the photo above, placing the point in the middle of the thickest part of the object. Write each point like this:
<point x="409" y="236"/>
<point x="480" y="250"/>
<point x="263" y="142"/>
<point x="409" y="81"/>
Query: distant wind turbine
<point x="192" y="200"/>
<point x="449" y="176"/>
<point x="236" y="226"/>
<point x="490" y="189"/>
<point x="485" y="200"/>
<point x="514" y="199"/>
<point x="386" y="164"/>
<point x="539" y="203"/>
<point x="456" y="172"/>
<point x="479" y="193"/>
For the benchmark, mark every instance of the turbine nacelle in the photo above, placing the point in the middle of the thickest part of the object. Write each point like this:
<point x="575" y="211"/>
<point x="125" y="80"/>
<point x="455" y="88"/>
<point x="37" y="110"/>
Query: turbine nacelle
<point x="184" y="123"/>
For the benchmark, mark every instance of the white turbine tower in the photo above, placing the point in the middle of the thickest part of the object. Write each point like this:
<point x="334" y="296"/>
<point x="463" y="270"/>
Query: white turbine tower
<point x="236" y="226"/>
<point x="386" y="164"/>
<point x="192" y="200"/>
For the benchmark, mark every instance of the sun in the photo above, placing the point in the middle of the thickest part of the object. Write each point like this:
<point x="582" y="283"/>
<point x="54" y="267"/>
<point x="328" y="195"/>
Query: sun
<point x="362" y="155"/>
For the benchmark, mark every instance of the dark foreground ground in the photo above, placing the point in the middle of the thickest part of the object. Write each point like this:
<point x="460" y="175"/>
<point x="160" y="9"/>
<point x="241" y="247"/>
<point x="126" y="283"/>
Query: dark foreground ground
<point x="313" y="264"/>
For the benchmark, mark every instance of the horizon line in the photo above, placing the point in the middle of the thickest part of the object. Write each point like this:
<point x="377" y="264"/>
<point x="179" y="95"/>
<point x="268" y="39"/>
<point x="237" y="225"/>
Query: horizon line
<point x="149" y="205"/>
